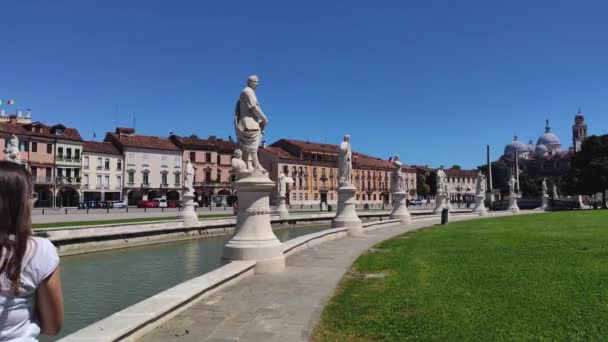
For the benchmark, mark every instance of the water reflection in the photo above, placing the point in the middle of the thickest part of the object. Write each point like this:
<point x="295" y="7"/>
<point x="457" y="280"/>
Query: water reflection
<point x="99" y="284"/>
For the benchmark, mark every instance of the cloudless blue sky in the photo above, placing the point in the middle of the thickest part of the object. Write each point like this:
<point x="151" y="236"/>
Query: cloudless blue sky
<point x="433" y="81"/>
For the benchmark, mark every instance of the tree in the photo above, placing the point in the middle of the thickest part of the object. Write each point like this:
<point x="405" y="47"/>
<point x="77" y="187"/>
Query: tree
<point x="423" y="188"/>
<point x="456" y="167"/>
<point x="193" y="136"/>
<point x="432" y="183"/>
<point x="501" y="173"/>
<point x="212" y="138"/>
<point x="529" y="186"/>
<point x="589" y="171"/>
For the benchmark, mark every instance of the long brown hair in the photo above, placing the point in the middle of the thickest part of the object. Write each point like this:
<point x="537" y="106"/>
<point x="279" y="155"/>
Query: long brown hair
<point x="15" y="219"/>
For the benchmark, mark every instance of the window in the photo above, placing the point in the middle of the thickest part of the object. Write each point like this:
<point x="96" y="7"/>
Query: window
<point x="331" y="196"/>
<point x="60" y="152"/>
<point x="106" y="181"/>
<point x="118" y="182"/>
<point x="49" y="148"/>
<point x="218" y="159"/>
<point x="131" y="177"/>
<point x="34" y="146"/>
<point x="177" y="161"/>
<point x="86" y="180"/>
<point x="314" y="172"/>
<point x="77" y="154"/>
<point x="193" y="156"/>
<point x="130" y="159"/>
<point x="98" y="182"/>
<point x="76" y="172"/>
<point x="177" y="179"/>
<point x="85" y="163"/>
<point x="300" y="196"/>
<point x="146" y="162"/>
<point x="208" y="176"/>
<point x="59" y="172"/>
<point x="119" y="165"/>
<point x="145" y="176"/>
<point x="306" y="196"/>
<point x="294" y="196"/>
<point x="208" y="157"/>
<point x="68" y="153"/>
<point x="68" y="173"/>
<point x="23" y="146"/>
<point x="316" y="196"/>
<point x="218" y="178"/>
<point x="164" y="178"/>
<point x="106" y="164"/>
<point x="98" y="163"/>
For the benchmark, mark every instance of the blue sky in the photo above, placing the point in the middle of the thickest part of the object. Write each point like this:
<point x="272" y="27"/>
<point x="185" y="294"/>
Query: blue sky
<point x="432" y="81"/>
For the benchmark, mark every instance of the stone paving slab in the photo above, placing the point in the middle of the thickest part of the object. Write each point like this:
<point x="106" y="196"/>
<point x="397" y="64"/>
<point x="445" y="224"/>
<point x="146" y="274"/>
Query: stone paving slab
<point x="280" y="307"/>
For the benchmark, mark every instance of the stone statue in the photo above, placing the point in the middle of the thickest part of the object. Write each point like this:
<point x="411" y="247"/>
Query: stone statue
<point x="481" y="183"/>
<point x="11" y="152"/>
<point x="512" y="183"/>
<point x="249" y="124"/>
<point x="397" y="176"/>
<point x="440" y="181"/>
<point x="238" y="165"/>
<point x="345" y="166"/>
<point x="282" y="190"/>
<point x="544" y="186"/>
<point x="189" y="178"/>
<point x="555" y="195"/>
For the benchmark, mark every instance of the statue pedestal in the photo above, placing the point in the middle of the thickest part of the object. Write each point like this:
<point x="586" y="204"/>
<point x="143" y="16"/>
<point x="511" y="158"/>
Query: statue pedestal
<point x="513" y="205"/>
<point x="347" y="216"/>
<point x="188" y="214"/>
<point x="400" y="211"/>
<point x="545" y="203"/>
<point x="480" y="206"/>
<point x="440" y="202"/>
<point x="253" y="238"/>
<point x="282" y="208"/>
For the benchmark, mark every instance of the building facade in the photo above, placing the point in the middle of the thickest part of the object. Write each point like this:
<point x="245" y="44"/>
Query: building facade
<point x="102" y="172"/>
<point x="211" y="159"/>
<point x="153" y="166"/>
<point x="68" y="163"/>
<point x="462" y="185"/>
<point x="314" y="169"/>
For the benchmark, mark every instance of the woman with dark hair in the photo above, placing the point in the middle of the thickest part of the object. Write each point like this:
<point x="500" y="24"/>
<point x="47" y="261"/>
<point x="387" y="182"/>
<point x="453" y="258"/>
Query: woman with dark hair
<point x="31" y="300"/>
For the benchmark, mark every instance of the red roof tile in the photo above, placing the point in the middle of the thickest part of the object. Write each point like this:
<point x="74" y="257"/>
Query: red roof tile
<point x="141" y="141"/>
<point x="45" y="131"/>
<point x="100" y="147"/>
<point x="197" y="143"/>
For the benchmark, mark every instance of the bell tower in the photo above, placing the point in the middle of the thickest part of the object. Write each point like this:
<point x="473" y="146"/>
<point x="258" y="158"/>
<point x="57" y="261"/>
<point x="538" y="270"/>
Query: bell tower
<point x="579" y="131"/>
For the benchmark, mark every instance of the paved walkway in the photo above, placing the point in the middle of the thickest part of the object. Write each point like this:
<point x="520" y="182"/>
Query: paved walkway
<point x="281" y="307"/>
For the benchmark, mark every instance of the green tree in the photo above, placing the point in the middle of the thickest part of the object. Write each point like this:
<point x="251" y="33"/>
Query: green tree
<point x="193" y="136"/>
<point x="456" y="167"/>
<point x="529" y="186"/>
<point x="421" y="186"/>
<point x="432" y="183"/>
<point x="212" y="138"/>
<point x="589" y="171"/>
<point x="501" y="173"/>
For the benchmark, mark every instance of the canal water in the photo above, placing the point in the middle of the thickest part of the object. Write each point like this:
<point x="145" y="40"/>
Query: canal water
<point x="96" y="285"/>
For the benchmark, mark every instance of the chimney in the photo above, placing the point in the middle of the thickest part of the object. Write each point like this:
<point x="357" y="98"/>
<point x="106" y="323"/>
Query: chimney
<point x="263" y="143"/>
<point x="230" y="138"/>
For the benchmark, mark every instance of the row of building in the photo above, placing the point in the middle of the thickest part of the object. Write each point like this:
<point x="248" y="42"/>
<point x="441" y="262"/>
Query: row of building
<point x="67" y="170"/>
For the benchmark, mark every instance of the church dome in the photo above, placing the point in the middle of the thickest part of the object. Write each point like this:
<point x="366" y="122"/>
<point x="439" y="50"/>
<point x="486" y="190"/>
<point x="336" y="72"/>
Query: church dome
<point x="514" y="147"/>
<point x="548" y="139"/>
<point x="531" y="147"/>
<point x="541" y="150"/>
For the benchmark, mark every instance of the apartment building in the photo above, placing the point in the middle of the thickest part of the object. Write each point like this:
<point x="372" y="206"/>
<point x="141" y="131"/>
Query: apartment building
<point x="102" y="172"/>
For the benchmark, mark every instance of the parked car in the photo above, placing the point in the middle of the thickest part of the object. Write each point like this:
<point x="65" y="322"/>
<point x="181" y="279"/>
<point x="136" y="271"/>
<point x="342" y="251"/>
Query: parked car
<point x="418" y="201"/>
<point x="160" y="202"/>
<point x="119" y="204"/>
<point x="147" y="204"/>
<point x="178" y="204"/>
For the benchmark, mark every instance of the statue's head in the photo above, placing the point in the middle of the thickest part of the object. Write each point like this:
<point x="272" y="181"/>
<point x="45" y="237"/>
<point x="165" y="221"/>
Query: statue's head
<point x="252" y="82"/>
<point x="238" y="153"/>
<point x="347" y="138"/>
<point x="396" y="158"/>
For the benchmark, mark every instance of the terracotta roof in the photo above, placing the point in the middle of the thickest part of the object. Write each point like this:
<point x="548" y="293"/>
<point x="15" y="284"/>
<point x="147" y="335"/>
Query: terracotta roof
<point x="460" y="173"/>
<point x="197" y="143"/>
<point x="308" y="146"/>
<point x="45" y="131"/>
<point x="100" y="147"/>
<point x="424" y="168"/>
<point x="279" y="152"/>
<point x="141" y="141"/>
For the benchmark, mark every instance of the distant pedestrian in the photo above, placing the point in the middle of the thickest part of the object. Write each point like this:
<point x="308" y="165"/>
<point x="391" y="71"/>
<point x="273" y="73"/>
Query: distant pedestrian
<point x="31" y="299"/>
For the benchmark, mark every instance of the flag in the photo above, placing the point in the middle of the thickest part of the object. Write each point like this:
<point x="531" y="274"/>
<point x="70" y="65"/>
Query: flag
<point x="1" y="102"/>
<point x="10" y="102"/>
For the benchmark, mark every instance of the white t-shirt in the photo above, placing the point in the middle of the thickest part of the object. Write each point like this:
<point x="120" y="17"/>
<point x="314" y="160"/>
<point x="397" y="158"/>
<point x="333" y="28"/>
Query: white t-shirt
<point x="17" y="321"/>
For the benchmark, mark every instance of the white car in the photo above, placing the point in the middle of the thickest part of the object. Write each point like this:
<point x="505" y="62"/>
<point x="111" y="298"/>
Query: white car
<point x="162" y="202"/>
<point x="119" y="204"/>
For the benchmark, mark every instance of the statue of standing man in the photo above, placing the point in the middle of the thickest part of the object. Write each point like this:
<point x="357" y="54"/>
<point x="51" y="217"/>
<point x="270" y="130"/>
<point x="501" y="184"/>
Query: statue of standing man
<point x="345" y="166"/>
<point x="189" y="178"/>
<point x="249" y="124"/>
<point x="397" y="176"/>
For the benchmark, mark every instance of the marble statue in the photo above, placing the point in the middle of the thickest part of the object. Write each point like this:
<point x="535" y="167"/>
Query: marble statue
<point x="249" y="124"/>
<point x="481" y="183"/>
<point x="544" y="186"/>
<point x="512" y="183"/>
<point x="345" y="166"/>
<point x="11" y="152"/>
<point x="282" y="189"/>
<point x="189" y="177"/>
<point x="440" y="181"/>
<point x="555" y="194"/>
<point x="238" y="165"/>
<point x="397" y="184"/>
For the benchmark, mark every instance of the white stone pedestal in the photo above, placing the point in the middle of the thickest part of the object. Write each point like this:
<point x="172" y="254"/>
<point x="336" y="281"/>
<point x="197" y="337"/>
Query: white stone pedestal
<point x="400" y="211"/>
<point x="253" y="238"/>
<point x="545" y="202"/>
<point x="347" y="215"/>
<point x="480" y="206"/>
<point x="282" y="208"/>
<point x="188" y="214"/>
<point x="513" y="205"/>
<point x="440" y="200"/>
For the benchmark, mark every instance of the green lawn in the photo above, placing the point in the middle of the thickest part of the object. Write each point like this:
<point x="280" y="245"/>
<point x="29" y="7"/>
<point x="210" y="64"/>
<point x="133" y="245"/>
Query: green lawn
<point x="130" y="220"/>
<point x="528" y="277"/>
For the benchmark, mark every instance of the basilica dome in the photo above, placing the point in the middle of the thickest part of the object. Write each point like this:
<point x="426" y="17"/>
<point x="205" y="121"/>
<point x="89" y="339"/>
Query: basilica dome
<point x="516" y="147"/>
<point x="548" y="139"/>
<point x="541" y="150"/>
<point x="531" y="147"/>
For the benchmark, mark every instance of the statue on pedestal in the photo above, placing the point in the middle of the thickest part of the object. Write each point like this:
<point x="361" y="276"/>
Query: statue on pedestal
<point x="544" y="186"/>
<point x="397" y="184"/>
<point x="345" y="166"/>
<point x="555" y="194"/>
<point x="238" y="165"/>
<point x="282" y="189"/>
<point x="249" y="124"/>
<point x="189" y="178"/>
<point x="512" y="183"/>
<point x="481" y="183"/>
<point x="440" y="181"/>
<point x="11" y="152"/>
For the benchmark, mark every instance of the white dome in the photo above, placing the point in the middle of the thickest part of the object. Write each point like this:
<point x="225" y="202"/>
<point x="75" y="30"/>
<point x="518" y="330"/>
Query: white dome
<point x="514" y="147"/>
<point x="541" y="150"/>
<point x="531" y="147"/>
<point x="548" y="139"/>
